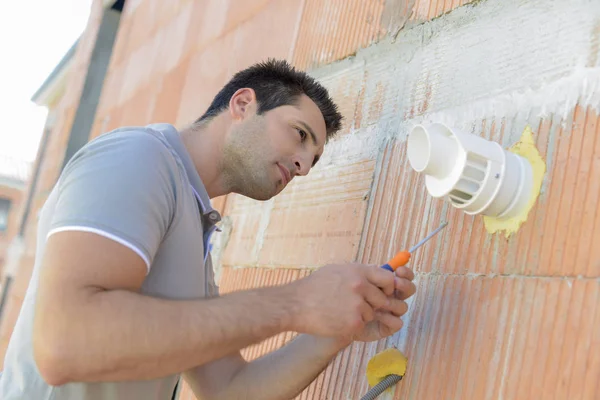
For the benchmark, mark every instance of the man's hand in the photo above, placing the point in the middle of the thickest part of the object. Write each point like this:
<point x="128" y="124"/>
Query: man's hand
<point x="387" y="321"/>
<point x="352" y="301"/>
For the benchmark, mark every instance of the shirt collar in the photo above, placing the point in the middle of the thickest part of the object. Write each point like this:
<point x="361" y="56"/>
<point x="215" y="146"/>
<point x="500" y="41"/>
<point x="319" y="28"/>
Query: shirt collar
<point x="174" y="139"/>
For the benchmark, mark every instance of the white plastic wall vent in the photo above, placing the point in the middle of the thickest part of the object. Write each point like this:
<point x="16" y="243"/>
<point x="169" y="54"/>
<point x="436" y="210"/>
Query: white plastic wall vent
<point x="475" y="175"/>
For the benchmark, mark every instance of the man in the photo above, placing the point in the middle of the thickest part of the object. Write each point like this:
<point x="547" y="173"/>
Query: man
<point x="122" y="299"/>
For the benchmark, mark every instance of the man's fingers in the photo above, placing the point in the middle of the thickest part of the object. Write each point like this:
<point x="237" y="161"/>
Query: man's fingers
<point x="405" y="272"/>
<point x="397" y="307"/>
<point x="391" y="323"/>
<point x="367" y="312"/>
<point x="381" y="278"/>
<point x="375" y="296"/>
<point x="404" y="288"/>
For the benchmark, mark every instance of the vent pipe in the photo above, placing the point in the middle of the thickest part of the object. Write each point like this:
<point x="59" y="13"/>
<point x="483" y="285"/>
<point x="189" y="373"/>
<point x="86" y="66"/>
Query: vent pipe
<point x="473" y="174"/>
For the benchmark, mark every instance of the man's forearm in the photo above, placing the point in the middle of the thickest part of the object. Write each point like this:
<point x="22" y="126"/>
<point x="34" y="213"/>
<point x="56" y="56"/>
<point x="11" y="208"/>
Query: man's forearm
<point x="285" y="373"/>
<point x="120" y="335"/>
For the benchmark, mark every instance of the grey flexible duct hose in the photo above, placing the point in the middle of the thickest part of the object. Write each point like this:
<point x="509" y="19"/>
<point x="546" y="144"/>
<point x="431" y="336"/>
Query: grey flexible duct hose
<point x="376" y="390"/>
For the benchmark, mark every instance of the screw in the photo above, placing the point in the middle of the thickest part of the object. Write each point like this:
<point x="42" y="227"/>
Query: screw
<point x="497" y="176"/>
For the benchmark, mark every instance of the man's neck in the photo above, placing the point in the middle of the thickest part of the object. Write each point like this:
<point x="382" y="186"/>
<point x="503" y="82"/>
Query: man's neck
<point x="204" y="142"/>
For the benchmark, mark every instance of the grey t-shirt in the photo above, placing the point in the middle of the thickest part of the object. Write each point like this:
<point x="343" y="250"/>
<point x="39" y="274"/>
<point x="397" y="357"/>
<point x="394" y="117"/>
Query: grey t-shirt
<point x="137" y="186"/>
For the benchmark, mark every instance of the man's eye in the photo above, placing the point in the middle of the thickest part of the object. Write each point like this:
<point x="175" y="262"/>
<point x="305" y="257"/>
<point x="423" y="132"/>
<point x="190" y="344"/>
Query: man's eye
<point x="302" y="134"/>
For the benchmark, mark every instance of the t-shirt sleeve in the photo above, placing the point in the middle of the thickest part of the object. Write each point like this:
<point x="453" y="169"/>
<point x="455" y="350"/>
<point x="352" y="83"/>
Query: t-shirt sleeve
<point x="122" y="187"/>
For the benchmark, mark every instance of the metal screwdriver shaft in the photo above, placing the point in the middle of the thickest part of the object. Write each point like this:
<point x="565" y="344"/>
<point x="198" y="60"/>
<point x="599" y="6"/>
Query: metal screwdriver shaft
<point x="401" y="258"/>
<point x="432" y="234"/>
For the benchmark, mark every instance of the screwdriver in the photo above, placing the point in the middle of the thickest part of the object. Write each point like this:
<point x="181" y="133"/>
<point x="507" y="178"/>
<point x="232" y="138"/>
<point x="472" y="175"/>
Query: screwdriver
<point x="401" y="258"/>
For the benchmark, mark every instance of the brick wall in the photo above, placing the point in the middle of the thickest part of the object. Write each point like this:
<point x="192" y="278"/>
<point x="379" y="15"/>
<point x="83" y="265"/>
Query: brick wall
<point x="15" y="196"/>
<point x="493" y="317"/>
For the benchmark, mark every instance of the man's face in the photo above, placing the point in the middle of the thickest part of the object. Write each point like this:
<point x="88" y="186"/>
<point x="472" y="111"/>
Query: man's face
<point x="265" y="152"/>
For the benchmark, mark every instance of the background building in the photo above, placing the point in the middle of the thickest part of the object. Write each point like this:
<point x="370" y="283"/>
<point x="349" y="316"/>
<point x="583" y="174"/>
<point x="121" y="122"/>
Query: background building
<point x="494" y="316"/>
<point x="13" y="181"/>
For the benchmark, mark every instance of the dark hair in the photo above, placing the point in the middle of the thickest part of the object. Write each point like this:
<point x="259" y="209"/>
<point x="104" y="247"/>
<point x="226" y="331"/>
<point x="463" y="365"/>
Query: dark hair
<point x="276" y="83"/>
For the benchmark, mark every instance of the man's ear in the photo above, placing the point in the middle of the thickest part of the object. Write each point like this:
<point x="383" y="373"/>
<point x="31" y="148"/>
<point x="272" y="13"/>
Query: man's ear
<point x="242" y="103"/>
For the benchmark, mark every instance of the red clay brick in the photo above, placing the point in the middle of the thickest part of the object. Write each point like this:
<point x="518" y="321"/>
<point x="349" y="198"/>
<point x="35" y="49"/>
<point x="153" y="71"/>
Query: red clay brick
<point x="588" y="255"/>
<point x="319" y="219"/>
<point x="168" y="99"/>
<point x="143" y="23"/>
<point x="581" y="154"/>
<point x="253" y="40"/>
<point x="563" y="184"/>
<point x="425" y="10"/>
<point x="389" y="229"/>
<point x="139" y="109"/>
<point x="173" y="34"/>
<point x="246" y="215"/>
<point x="561" y="197"/>
<point x="121" y="43"/>
<point x="590" y="386"/>
<point x="332" y="30"/>
<point x="219" y="203"/>
<point x="111" y="90"/>
<point x="110" y="120"/>
<point x="138" y="72"/>
<point x="507" y="339"/>
<point x="532" y="256"/>
<point x="239" y="12"/>
<point x="130" y="7"/>
<point x="3" y="347"/>
<point x="87" y="41"/>
<point x="347" y="91"/>
<point x="166" y="11"/>
<point x="473" y="334"/>
<point x="73" y="91"/>
<point x="574" y="323"/>
<point x="206" y="75"/>
<point x="208" y="23"/>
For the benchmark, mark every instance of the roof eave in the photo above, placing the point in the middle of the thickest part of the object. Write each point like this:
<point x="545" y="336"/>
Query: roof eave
<point x="52" y="87"/>
<point x="12" y="183"/>
<point x="45" y="95"/>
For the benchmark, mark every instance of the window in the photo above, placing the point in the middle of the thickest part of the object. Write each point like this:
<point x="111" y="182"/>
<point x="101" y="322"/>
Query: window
<point x="4" y="210"/>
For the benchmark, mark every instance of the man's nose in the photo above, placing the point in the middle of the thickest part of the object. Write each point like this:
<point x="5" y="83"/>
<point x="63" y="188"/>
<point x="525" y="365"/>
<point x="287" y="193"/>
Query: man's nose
<point x="302" y="166"/>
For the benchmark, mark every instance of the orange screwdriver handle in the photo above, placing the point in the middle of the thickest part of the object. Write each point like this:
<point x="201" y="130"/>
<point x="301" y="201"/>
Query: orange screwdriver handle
<point x="401" y="258"/>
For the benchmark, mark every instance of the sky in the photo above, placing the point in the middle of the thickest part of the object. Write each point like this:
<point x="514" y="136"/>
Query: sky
<point x="34" y="36"/>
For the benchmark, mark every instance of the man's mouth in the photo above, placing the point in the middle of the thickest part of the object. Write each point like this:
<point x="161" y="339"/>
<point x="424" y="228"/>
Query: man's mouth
<point x="285" y="174"/>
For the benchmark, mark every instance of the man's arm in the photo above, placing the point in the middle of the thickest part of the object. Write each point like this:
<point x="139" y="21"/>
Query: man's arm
<point x="91" y="323"/>
<point x="286" y="372"/>
<point x="279" y="375"/>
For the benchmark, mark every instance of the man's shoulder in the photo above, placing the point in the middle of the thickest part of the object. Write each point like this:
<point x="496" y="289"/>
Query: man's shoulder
<point x="134" y="153"/>
<point x="138" y="142"/>
<point x="130" y="135"/>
